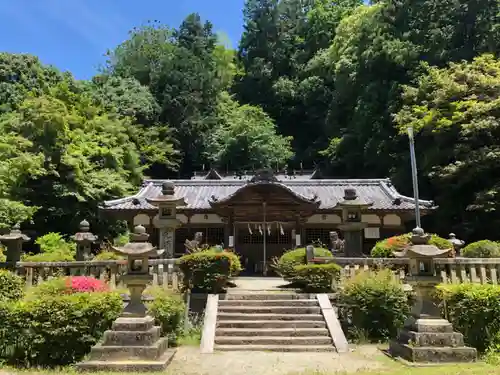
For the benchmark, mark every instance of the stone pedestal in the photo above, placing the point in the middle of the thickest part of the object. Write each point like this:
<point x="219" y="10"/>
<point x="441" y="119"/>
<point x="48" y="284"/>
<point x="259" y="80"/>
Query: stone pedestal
<point x="425" y="337"/>
<point x="431" y="341"/>
<point x="132" y="345"/>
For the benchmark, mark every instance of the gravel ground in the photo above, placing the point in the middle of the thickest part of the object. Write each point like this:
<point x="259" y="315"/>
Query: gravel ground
<point x="189" y="361"/>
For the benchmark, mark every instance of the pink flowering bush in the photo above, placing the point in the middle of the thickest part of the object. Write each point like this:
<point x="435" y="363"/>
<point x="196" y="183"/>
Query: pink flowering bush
<point x="67" y="285"/>
<point x="79" y="284"/>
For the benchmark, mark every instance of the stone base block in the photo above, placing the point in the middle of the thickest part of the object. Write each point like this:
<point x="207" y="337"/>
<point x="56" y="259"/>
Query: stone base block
<point x="429" y="354"/>
<point x="131" y="338"/>
<point x="128" y="365"/>
<point x="429" y="325"/>
<point x="133" y="324"/>
<point x="121" y="353"/>
<point x="442" y="339"/>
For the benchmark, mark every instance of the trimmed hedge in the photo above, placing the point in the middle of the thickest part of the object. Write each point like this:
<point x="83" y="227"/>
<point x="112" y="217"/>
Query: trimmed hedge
<point x="11" y="286"/>
<point x="373" y="306"/>
<point x="386" y="247"/>
<point x="316" y="277"/>
<point x="208" y="271"/>
<point x="482" y="249"/>
<point x="474" y="310"/>
<point x="55" y="330"/>
<point x="285" y="265"/>
<point x="51" y="329"/>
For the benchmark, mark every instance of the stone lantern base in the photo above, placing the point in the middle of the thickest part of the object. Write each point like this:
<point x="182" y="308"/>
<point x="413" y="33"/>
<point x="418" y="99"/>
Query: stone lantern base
<point x="132" y="345"/>
<point x="431" y="341"/>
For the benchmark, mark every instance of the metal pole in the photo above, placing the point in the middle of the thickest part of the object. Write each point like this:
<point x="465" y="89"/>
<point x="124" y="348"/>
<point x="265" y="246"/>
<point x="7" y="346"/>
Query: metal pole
<point x="264" y="236"/>
<point x="414" y="176"/>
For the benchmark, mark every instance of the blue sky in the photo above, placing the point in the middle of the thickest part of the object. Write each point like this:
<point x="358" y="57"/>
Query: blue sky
<point x="74" y="34"/>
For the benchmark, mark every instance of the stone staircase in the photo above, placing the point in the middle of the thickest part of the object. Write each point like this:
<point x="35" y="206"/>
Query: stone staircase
<point x="282" y="322"/>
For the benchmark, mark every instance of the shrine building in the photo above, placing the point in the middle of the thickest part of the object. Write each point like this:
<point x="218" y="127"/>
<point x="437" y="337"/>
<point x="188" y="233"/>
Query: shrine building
<point x="262" y="215"/>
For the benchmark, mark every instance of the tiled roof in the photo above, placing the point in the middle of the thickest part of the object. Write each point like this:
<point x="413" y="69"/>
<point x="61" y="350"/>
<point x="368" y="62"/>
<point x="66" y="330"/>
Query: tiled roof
<point x="197" y="193"/>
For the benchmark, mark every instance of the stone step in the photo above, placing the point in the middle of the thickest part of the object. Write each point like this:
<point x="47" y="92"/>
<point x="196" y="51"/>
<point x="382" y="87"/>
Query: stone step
<point x="223" y="316"/>
<point x="127" y="365"/>
<point x="276" y="348"/>
<point x="131" y="338"/>
<point x="270" y="302"/>
<point x="270" y="309"/>
<point x="259" y="296"/>
<point x="117" y="353"/>
<point x="439" y="339"/>
<point x="433" y="354"/>
<point x="267" y="332"/>
<point x="133" y="324"/>
<point x="253" y="324"/>
<point x="273" y="340"/>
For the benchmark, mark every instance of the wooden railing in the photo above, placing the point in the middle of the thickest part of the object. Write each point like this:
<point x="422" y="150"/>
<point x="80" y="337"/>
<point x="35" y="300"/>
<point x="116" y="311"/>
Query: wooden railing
<point x="165" y="271"/>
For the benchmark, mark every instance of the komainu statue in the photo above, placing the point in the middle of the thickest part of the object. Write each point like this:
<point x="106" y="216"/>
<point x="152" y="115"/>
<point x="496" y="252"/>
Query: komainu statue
<point x="194" y="245"/>
<point x="336" y="244"/>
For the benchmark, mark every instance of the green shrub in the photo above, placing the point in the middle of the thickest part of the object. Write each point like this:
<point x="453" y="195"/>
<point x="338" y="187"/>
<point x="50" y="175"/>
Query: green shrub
<point x="53" y="248"/>
<point x="482" y="249"/>
<point x="107" y="255"/>
<point x="168" y="310"/>
<point x="373" y="303"/>
<point x="11" y="286"/>
<point x="385" y="248"/>
<point x="55" y="330"/>
<point x="56" y="256"/>
<point x="474" y="310"/>
<point x="316" y="277"/>
<point x="285" y="265"/>
<point x="208" y="271"/>
<point x="3" y="258"/>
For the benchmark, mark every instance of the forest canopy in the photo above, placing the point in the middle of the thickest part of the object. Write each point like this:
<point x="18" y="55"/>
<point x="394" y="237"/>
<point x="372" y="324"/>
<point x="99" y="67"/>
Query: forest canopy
<point x="329" y="84"/>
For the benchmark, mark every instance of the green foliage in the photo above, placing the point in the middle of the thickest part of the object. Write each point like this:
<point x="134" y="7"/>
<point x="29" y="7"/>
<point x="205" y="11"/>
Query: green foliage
<point x="11" y="286"/>
<point x="246" y="138"/>
<point x="53" y="248"/>
<point x="107" y="255"/>
<point x="474" y="311"/>
<point x="373" y="303"/>
<point x="386" y="247"/>
<point x="285" y="265"/>
<point x="482" y="249"/>
<point x="453" y="111"/>
<point x="168" y="310"/>
<point x="53" y="242"/>
<point x="55" y="330"/>
<point x="209" y="270"/>
<point x="316" y="277"/>
<point x="3" y="257"/>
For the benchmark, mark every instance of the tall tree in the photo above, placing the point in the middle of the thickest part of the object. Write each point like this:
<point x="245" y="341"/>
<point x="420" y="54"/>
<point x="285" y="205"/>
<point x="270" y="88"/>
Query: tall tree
<point x="455" y="112"/>
<point x="245" y="139"/>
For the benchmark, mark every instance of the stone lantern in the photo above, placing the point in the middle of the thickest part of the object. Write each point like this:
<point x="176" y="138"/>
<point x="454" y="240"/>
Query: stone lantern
<point x="167" y="204"/>
<point x="426" y="337"/>
<point x="84" y="240"/>
<point x="134" y="342"/>
<point x="14" y="242"/>
<point x="351" y="225"/>
<point x="138" y="251"/>
<point x="457" y="243"/>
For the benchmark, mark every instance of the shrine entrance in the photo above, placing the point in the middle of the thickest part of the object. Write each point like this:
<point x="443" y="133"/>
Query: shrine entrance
<point x="258" y="243"/>
<point x="263" y="220"/>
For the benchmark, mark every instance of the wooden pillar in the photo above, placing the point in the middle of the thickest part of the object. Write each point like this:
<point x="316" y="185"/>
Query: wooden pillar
<point x="229" y="230"/>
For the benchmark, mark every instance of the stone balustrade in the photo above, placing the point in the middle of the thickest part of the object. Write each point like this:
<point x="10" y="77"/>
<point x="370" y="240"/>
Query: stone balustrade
<point x="165" y="271"/>
<point x="167" y="274"/>
<point x="451" y="270"/>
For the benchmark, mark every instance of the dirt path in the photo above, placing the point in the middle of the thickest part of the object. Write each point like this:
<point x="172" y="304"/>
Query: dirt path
<point x="189" y="361"/>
